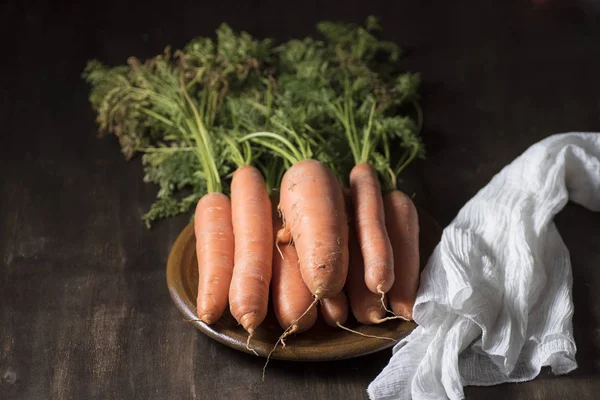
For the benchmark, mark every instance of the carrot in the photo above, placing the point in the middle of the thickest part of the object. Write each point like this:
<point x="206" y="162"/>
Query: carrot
<point x="291" y="297"/>
<point x="335" y="314"/>
<point x="371" y="229"/>
<point x="214" y="250"/>
<point x="312" y="208"/>
<point x="314" y="217"/>
<point x="402" y="222"/>
<point x="335" y="309"/>
<point x="253" y="233"/>
<point x="366" y="306"/>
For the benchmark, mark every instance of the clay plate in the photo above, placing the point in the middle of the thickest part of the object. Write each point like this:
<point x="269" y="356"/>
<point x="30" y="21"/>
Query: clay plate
<point x="320" y="343"/>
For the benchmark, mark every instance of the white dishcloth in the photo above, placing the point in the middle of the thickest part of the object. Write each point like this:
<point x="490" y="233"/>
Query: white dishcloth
<point x="495" y="302"/>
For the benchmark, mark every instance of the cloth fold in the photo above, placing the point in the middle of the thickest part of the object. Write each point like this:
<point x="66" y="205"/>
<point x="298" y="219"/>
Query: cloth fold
<point x="495" y="301"/>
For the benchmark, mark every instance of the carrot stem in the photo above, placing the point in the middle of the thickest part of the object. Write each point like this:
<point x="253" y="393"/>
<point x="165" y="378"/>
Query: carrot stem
<point x="298" y="156"/>
<point x="367" y="145"/>
<point x="400" y="168"/>
<point x="213" y="182"/>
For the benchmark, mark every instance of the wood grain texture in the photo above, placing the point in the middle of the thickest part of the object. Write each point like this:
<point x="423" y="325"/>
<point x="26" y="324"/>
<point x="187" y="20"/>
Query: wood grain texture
<point x="84" y="307"/>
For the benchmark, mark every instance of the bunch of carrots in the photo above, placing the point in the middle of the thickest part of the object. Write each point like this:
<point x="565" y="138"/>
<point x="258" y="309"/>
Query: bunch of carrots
<point x="289" y="156"/>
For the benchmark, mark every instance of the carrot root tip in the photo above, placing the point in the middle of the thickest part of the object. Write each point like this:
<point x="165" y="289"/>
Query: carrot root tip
<point x="319" y="293"/>
<point x="283" y="236"/>
<point x="291" y="329"/>
<point x="250" y="335"/>
<point x="248" y="321"/>
<point x="380" y="320"/>
<point x="375" y="316"/>
<point x="364" y="334"/>
<point x="279" y="340"/>
<point x="383" y="305"/>
<point x="207" y="318"/>
<point x="279" y="250"/>
<point x="404" y="312"/>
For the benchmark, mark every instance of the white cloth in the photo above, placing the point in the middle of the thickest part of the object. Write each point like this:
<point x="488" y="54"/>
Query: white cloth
<point x="495" y="300"/>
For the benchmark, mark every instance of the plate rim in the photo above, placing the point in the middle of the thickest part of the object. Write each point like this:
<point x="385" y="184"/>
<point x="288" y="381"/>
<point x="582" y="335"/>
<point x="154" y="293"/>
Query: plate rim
<point x="176" y="289"/>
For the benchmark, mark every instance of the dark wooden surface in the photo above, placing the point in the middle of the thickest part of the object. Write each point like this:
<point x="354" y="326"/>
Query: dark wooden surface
<point x="84" y="308"/>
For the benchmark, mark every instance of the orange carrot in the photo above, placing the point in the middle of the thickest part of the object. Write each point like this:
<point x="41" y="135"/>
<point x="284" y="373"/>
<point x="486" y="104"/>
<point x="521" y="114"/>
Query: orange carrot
<point x="312" y="207"/>
<point x="371" y="230"/>
<point x="253" y="233"/>
<point x="366" y="306"/>
<point x="335" y="314"/>
<point x="335" y="309"/>
<point x="214" y="249"/>
<point x="402" y="223"/>
<point x="291" y="297"/>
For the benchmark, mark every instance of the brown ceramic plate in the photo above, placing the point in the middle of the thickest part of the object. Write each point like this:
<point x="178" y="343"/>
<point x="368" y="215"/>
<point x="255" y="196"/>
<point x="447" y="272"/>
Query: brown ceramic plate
<point x="320" y="343"/>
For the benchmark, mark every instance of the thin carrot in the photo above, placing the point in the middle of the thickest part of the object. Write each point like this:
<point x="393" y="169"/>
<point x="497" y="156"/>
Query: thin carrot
<point x="335" y="312"/>
<point x="402" y="221"/>
<point x="371" y="229"/>
<point x="335" y="309"/>
<point x="253" y="233"/>
<point x="214" y="250"/>
<point x="291" y="297"/>
<point x="366" y="306"/>
<point x="312" y="206"/>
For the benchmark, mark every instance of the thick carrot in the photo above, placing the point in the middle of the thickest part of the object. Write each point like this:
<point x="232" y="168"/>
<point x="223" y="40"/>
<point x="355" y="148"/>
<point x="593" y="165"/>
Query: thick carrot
<point x="291" y="297"/>
<point x="402" y="222"/>
<point x="335" y="309"/>
<point x="312" y="206"/>
<point x="214" y="249"/>
<point x="253" y="233"/>
<point x="371" y="230"/>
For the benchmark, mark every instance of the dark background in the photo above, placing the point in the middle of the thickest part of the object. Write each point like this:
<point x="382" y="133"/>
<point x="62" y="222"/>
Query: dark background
<point x="84" y="308"/>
